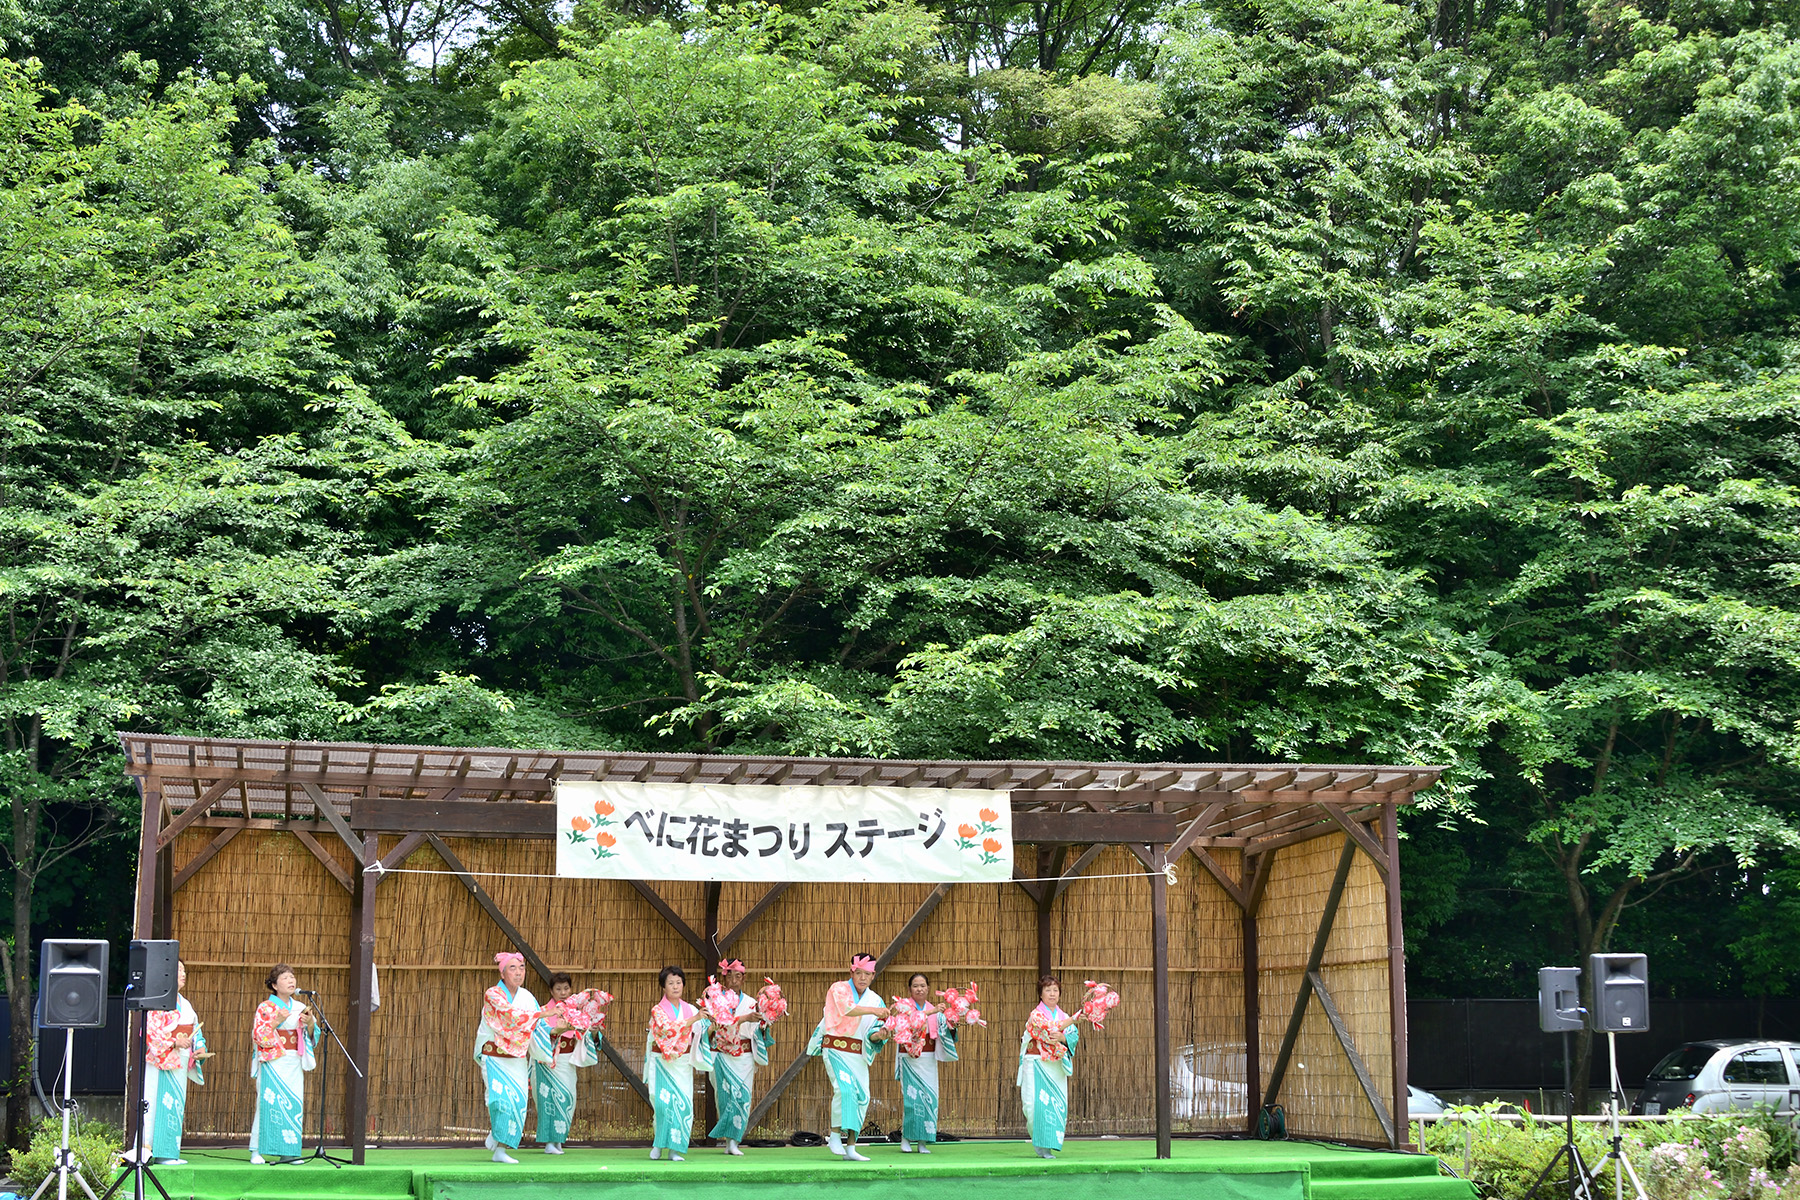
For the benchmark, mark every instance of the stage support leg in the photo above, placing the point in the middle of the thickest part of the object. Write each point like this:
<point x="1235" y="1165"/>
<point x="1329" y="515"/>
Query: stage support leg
<point x="362" y="989"/>
<point x="1390" y="841"/>
<point x="1252" y="1005"/>
<point x="1159" y="934"/>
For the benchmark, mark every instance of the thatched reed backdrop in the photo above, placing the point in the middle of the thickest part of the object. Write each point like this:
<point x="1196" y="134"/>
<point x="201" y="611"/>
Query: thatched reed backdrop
<point x="264" y="898"/>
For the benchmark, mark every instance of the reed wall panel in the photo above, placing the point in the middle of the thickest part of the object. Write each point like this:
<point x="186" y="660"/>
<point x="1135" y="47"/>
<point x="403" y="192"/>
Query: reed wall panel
<point x="265" y="897"/>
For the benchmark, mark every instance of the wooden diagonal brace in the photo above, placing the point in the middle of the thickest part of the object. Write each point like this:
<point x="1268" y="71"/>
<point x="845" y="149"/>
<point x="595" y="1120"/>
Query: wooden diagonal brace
<point x="1356" y="1061"/>
<point x="673" y="918"/>
<point x="1359" y="833"/>
<point x="324" y="856"/>
<point x="1326" y="920"/>
<point x="1231" y="886"/>
<point x="205" y="856"/>
<point x="1075" y="869"/>
<point x="920" y="914"/>
<point x="193" y="812"/>
<point x="750" y="918"/>
<point x="402" y="851"/>
<point x="531" y="956"/>
<point x="329" y="812"/>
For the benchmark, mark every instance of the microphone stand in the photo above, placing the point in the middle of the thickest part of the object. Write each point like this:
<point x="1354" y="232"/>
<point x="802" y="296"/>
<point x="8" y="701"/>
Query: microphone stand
<point x="319" y="1151"/>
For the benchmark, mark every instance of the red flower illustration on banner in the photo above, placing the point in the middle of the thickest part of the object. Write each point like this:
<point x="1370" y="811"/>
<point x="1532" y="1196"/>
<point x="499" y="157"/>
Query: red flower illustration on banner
<point x="965" y="837"/>
<point x="991" y="848"/>
<point x="603" y="810"/>
<point x="578" y="827"/>
<point x="988" y="817"/>
<point x="606" y="842"/>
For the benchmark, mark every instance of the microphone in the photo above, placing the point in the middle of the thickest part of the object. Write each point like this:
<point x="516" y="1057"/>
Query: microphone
<point x="304" y="992"/>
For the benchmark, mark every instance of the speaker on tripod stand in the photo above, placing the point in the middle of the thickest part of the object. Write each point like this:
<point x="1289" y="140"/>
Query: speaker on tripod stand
<point x="151" y="971"/>
<point x="71" y="996"/>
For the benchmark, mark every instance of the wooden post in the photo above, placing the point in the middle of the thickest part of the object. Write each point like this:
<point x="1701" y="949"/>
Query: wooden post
<point x="710" y="931"/>
<point x="1252" y="1002"/>
<point x="1159" y="934"/>
<point x="142" y="926"/>
<point x="1390" y="840"/>
<point x="362" y="996"/>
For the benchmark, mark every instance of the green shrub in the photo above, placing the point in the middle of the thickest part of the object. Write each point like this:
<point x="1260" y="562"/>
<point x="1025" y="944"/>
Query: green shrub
<point x="96" y="1145"/>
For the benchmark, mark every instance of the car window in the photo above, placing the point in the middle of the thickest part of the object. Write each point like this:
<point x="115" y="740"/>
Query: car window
<point x="1762" y="1065"/>
<point x="1682" y="1064"/>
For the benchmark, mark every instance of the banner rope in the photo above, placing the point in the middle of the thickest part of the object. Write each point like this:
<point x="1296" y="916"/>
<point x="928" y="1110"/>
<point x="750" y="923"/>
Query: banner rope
<point x="377" y="869"/>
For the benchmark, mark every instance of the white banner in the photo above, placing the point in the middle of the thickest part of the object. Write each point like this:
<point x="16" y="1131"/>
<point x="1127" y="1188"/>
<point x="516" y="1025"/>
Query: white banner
<point x="773" y="833"/>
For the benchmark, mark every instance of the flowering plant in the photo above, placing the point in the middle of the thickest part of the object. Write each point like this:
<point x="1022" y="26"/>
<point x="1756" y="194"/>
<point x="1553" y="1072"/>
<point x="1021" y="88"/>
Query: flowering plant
<point x="771" y="1005"/>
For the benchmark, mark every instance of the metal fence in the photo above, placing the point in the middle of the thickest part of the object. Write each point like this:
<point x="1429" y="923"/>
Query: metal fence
<point x="1496" y="1044"/>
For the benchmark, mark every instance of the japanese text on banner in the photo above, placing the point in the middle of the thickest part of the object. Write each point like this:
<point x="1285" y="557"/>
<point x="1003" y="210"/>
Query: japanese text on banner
<point x="827" y="834"/>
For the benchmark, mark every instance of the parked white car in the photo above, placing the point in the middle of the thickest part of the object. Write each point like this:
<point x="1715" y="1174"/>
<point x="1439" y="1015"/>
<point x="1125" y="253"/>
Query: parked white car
<point x="1721" y="1075"/>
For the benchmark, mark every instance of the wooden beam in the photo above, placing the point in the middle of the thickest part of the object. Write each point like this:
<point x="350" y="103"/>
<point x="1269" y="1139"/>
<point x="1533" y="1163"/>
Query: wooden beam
<point x="402" y="851"/>
<point x="448" y="818"/>
<point x="1231" y="886"/>
<point x="193" y="812"/>
<point x="1257" y="881"/>
<point x="1159" y="941"/>
<point x="1397" y="1024"/>
<point x="1074" y="872"/>
<point x="1252" y="995"/>
<point x="919" y="917"/>
<point x="329" y="811"/>
<point x="1359" y="833"/>
<point x="1088" y="828"/>
<point x="362" y="995"/>
<point x="205" y="856"/>
<point x="324" y="856"/>
<point x="750" y="918"/>
<point x="1357" y="1064"/>
<point x="1320" y="938"/>
<point x="1201" y="822"/>
<point x="672" y="917"/>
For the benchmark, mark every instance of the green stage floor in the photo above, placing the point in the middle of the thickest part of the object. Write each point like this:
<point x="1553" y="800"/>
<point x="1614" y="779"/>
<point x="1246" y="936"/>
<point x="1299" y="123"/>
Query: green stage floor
<point x="1002" y="1170"/>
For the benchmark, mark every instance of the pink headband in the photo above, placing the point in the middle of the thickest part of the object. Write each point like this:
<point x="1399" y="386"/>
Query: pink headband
<point x="728" y="965"/>
<point x="861" y="962"/>
<point x="507" y="958"/>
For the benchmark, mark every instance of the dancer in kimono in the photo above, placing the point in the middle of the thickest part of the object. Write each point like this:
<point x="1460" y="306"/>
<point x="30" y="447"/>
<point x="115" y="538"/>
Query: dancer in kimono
<point x="177" y="1048"/>
<point x="669" y="1060"/>
<point x="918" y="1073"/>
<point x="731" y="1055"/>
<point x="1046" y="1060"/>
<point x="284" y="1033"/>
<point x="560" y="1043"/>
<point x="508" y="1015"/>
<point x="849" y="1037"/>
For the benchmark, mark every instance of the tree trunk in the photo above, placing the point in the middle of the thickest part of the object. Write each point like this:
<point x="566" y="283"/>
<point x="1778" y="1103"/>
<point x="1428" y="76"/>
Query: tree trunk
<point x="19" y="991"/>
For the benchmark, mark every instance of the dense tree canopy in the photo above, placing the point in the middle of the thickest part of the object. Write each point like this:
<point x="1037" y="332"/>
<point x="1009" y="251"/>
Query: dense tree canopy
<point x="1258" y="379"/>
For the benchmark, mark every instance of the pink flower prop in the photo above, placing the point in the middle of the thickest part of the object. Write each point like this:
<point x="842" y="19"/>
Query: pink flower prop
<point x="771" y="1005"/>
<point x="909" y="1026"/>
<point x="959" y="1006"/>
<point x="593" y="1003"/>
<point x="714" y="1004"/>
<point x="1099" y="1002"/>
<point x="669" y="1037"/>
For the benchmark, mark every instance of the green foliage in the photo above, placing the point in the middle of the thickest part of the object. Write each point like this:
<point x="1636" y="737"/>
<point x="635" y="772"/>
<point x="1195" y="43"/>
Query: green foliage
<point x="95" y="1145"/>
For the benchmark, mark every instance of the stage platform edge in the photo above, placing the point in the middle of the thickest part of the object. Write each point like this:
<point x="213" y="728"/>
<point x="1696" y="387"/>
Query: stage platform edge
<point x="1126" y="1169"/>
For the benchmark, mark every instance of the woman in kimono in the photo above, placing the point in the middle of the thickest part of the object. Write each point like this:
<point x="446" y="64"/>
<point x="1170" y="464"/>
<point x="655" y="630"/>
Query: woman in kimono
<point x="731" y="1055"/>
<point x="670" y="1051"/>
<point x="1046" y="1060"/>
<point x="918" y="1073"/>
<point x="849" y="1037"/>
<point x="559" y="1044"/>
<point x="284" y="1033"/>
<point x="508" y="1014"/>
<point x="177" y="1047"/>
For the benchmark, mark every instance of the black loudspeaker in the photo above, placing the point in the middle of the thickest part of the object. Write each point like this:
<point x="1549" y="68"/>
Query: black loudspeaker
<point x="1559" y="999"/>
<point x="71" y="984"/>
<point x="1619" y="992"/>
<point x="151" y="976"/>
